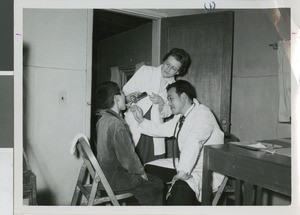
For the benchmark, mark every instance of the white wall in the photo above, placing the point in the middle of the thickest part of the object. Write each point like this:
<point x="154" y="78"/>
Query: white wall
<point x="56" y="65"/>
<point x="255" y="90"/>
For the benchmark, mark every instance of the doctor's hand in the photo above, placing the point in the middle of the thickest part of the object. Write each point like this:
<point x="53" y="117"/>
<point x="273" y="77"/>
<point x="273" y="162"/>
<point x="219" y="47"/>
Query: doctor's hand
<point x="182" y="176"/>
<point x="144" y="176"/>
<point x="137" y="113"/>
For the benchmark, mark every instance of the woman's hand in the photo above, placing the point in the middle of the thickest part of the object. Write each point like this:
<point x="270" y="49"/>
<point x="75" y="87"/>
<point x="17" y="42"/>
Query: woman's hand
<point x="156" y="99"/>
<point x="137" y="113"/>
<point x="132" y="97"/>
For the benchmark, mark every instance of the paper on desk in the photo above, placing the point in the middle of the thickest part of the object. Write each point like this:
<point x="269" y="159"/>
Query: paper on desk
<point x="254" y="145"/>
<point x="257" y="145"/>
<point x="284" y="151"/>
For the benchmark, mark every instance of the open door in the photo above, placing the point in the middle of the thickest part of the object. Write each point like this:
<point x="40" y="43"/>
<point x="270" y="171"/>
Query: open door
<point x="208" y="38"/>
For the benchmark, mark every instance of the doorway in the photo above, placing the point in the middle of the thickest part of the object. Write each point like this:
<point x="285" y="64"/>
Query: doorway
<point x="119" y="41"/>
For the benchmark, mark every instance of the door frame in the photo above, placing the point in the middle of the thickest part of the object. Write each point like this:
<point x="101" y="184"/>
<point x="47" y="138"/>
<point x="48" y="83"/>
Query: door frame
<point x="155" y="53"/>
<point x="88" y="76"/>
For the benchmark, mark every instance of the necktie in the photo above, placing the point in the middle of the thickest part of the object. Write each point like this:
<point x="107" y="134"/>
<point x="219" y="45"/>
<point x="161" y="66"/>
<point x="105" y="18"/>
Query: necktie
<point x="175" y="141"/>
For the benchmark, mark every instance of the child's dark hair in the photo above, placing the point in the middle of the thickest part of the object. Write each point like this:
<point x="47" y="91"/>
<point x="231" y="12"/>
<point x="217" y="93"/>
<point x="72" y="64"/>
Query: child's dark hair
<point x="105" y="94"/>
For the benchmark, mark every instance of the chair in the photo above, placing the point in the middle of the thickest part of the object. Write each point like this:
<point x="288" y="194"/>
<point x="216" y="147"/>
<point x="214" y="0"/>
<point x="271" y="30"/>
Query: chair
<point x="90" y="191"/>
<point x="224" y="189"/>
<point x="29" y="188"/>
<point x="29" y="183"/>
<point x="228" y="185"/>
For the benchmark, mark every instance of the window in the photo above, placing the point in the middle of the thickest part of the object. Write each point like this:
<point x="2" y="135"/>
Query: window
<point x="126" y="74"/>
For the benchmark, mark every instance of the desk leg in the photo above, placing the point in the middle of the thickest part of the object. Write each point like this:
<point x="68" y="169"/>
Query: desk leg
<point x="248" y="194"/>
<point x="238" y="192"/>
<point x="206" y="179"/>
<point x="258" y="195"/>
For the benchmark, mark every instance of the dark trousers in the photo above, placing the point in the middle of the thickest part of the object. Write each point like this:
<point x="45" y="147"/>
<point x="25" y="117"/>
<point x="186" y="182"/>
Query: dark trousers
<point x="181" y="193"/>
<point x="149" y="192"/>
<point x="145" y="146"/>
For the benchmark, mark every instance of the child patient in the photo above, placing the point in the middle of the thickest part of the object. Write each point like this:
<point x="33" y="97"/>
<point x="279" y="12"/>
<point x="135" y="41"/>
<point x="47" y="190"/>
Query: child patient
<point x="116" y="152"/>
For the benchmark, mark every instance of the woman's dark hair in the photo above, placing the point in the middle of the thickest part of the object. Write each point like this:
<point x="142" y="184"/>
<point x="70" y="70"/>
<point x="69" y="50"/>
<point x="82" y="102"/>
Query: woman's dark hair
<point x="105" y="94"/>
<point x="183" y="86"/>
<point x="183" y="57"/>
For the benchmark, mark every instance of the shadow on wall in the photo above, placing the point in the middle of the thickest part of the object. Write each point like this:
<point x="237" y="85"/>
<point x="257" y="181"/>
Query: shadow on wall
<point x="228" y="137"/>
<point x="25" y="90"/>
<point x="45" y="197"/>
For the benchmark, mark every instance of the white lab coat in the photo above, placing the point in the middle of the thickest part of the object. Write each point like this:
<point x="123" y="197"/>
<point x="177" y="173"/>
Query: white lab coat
<point x="148" y="79"/>
<point x="200" y="127"/>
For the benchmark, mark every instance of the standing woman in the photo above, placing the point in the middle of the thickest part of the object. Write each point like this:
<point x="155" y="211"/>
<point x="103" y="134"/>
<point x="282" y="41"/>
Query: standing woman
<point x="153" y="81"/>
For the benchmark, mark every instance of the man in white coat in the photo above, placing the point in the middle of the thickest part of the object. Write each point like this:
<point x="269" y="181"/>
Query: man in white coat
<point x="199" y="128"/>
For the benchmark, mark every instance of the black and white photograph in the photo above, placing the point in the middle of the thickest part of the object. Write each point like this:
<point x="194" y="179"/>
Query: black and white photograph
<point x="153" y="107"/>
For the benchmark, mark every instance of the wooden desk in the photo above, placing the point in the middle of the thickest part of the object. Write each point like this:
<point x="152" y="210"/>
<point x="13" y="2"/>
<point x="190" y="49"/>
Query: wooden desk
<point x="257" y="169"/>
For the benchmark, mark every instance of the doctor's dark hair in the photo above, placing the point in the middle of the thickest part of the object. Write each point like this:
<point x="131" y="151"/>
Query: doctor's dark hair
<point x="183" y="57"/>
<point x="183" y="86"/>
<point x="105" y="94"/>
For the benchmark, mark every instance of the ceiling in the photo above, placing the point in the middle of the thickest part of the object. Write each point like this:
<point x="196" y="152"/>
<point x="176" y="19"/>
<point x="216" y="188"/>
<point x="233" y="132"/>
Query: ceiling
<point x="107" y="23"/>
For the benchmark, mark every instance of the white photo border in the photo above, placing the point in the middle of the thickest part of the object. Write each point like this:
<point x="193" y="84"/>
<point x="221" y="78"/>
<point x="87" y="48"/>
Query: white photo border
<point x="19" y="5"/>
